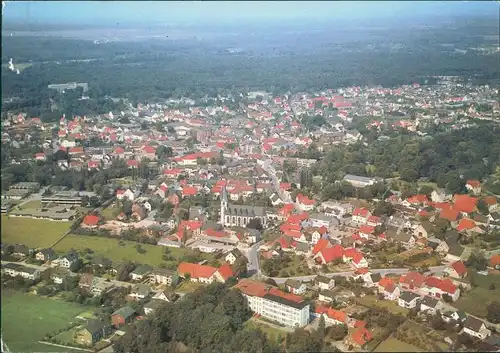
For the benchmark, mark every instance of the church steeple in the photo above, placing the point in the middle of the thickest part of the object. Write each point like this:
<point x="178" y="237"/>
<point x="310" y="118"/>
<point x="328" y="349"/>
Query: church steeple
<point x="223" y="205"/>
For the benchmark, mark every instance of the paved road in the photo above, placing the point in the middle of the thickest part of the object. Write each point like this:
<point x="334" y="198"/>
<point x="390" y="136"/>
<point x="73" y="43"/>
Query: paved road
<point x="382" y="271"/>
<point x="253" y="258"/>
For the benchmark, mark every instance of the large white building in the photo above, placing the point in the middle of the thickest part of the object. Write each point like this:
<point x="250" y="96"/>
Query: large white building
<point x="284" y="308"/>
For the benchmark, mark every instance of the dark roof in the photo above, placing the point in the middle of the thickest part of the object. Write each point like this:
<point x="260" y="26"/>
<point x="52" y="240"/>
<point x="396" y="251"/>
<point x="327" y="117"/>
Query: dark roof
<point x="95" y="325"/>
<point x="376" y="277"/>
<point x="432" y="244"/>
<point x="408" y="296"/>
<point x="245" y="211"/>
<point x="154" y="304"/>
<point x="293" y="283"/>
<point x="237" y="253"/>
<point x="473" y="324"/>
<point x="142" y="270"/>
<point x="327" y="293"/>
<point x="125" y="311"/>
<point x="323" y="279"/>
<point x="429" y="301"/>
<point x="284" y="301"/>
<point x="494" y="340"/>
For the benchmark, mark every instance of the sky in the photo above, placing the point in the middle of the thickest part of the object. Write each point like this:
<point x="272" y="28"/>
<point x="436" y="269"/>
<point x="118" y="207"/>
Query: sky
<point x="193" y="12"/>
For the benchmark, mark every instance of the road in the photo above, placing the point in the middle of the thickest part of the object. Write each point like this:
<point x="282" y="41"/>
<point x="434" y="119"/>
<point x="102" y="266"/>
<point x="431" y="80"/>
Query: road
<point x="253" y="258"/>
<point x="382" y="271"/>
<point x="269" y="169"/>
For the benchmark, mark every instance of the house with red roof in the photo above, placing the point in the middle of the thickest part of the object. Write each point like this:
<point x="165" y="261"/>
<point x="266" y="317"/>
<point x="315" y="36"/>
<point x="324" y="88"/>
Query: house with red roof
<point x="91" y="221"/>
<point x="305" y="203"/>
<point x="335" y="317"/>
<point x="436" y="287"/>
<point x="464" y="203"/>
<point x="93" y="165"/>
<point x="468" y="225"/>
<point x="374" y="221"/>
<point x="148" y="152"/>
<point x="388" y="288"/>
<point x="329" y="254"/>
<point x="473" y="186"/>
<point x="416" y="200"/>
<point x="354" y="257"/>
<point x="119" y="152"/>
<point x="359" y="338"/>
<point x="40" y="156"/>
<point x="189" y="191"/>
<point x="204" y="273"/>
<point x="322" y="244"/>
<point x="125" y="194"/>
<point x="365" y="231"/>
<point x="360" y="215"/>
<point x="133" y="163"/>
<point x="449" y="214"/>
<point x="494" y="262"/>
<point x="172" y="173"/>
<point x="457" y="270"/>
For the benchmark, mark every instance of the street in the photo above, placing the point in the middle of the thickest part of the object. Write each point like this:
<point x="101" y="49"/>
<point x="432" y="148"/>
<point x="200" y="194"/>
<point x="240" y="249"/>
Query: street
<point x="253" y="258"/>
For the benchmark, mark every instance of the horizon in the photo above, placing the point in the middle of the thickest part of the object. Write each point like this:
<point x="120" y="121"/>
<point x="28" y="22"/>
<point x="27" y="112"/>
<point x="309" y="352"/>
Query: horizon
<point x="208" y="12"/>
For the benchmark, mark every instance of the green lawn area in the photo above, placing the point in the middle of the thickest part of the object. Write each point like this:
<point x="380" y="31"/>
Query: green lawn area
<point x="273" y="333"/>
<point x="27" y="318"/>
<point x="393" y="345"/>
<point x="108" y="213"/>
<point x="188" y="287"/>
<point x="108" y="247"/>
<point x="371" y="301"/>
<point x="468" y="302"/>
<point x="32" y="232"/>
<point x="20" y="67"/>
<point x="67" y="337"/>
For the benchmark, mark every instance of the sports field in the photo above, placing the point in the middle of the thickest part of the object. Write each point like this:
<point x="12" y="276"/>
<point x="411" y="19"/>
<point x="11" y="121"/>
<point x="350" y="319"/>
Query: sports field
<point x="27" y="318"/>
<point x="33" y="233"/>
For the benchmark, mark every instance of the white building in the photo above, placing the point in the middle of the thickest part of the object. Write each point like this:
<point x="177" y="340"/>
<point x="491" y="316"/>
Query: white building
<point x="284" y="308"/>
<point x="475" y="327"/>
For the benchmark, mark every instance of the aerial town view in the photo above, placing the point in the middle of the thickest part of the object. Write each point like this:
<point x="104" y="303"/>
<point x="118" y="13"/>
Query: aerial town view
<point x="198" y="177"/>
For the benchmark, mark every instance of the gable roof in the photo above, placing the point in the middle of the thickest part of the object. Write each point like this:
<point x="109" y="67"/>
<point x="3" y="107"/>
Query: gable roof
<point x="225" y="271"/>
<point x="429" y="301"/>
<point x="408" y="296"/>
<point x="196" y="270"/>
<point x="473" y="324"/>
<point x="459" y="267"/>
<point x="125" y="312"/>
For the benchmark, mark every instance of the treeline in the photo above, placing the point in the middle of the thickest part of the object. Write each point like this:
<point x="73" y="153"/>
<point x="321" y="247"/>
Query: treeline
<point x="212" y="319"/>
<point x="448" y="159"/>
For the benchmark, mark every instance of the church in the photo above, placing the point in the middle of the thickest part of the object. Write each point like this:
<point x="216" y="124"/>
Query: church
<point x="239" y="216"/>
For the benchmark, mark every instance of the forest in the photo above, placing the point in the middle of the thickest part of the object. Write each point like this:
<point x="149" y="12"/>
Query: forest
<point x="448" y="159"/>
<point x="212" y="319"/>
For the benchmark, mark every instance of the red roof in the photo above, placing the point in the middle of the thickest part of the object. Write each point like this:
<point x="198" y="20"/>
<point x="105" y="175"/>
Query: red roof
<point x="495" y="260"/>
<point x="133" y="163"/>
<point x="449" y="214"/>
<point x="336" y="315"/>
<point x="374" y="219"/>
<point x="189" y="191"/>
<point x="362" y="212"/>
<point x="459" y="267"/>
<point x="415" y="279"/>
<point x="78" y="149"/>
<point x="416" y="199"/>
<point x="333" y="253"/>
<point x="91" y="220"/>
<point x="173" y="171"/>
<point x="119" y="150"/>
<point x="195" y="270"/>
<point x="385" y="282"/>
<point x="304" y="200"/>
<point x="149" y="149"/>
<point x="362" y="336"/>
<point x="465" y="203"/>
<point x="258" y="289"/>
<point x="465" y="224"/>
<point x="490" y="200"/>
<point x="323" y="243"/>
<point x="225" y="271"/>
<point x="366" y="229"/>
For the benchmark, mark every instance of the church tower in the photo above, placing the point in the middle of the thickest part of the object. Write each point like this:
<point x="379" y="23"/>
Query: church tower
<point x="223" y="205"/>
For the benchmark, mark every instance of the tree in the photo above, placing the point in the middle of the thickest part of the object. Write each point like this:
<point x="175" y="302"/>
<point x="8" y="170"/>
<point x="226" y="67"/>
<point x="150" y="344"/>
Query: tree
<point x="321" y="331"/>
<point x="482" y="207"/>
<point x="124" y="271"/>
<point x="383" y="208"/>
<point x="493" y="314"/>
<point x="337" y="332"/>
<point x="447" y="298"/>
<point x="255" y="223"/>
<point x="75" y="266"/>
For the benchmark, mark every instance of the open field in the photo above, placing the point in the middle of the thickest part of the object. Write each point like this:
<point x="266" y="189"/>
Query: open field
<point x="188" y="287"/>
<point x="480" y="294"/>
<point x="421" y="336"/>
<point x="32" y="232"/>
<point x="393" y="345"/>
<point x="371" y="301"/>
<point x="109" y="248"/>
<point x="27" y="318"/>
<point x="108" y="213"/>
<point x="20" y="67"/>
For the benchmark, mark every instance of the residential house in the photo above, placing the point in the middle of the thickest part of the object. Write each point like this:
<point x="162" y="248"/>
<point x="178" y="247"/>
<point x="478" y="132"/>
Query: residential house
<point x="494" y="262"/>
<point x="476" y="328"/>
<point x="359" y="338"/>
<point x="474" y="186"/>
<point x="204" y="273"/>
<point x="388" y="289"/>
<point x="161" y="276"/>
<point x="360" y="215"/>
<point x="305" y="203"/>
<point x="59" y="275"/>
<point x="166" y="295"/>
<point x="140" y="291"/>
<point x="430" y="305"/>
<point x="233" y="256"/>
<point x="46" y="255"/>
<point x="86" y="281"/>
<point x="295" y="287"/>
<point x="321" y="220"/>
<point x="324" y="283"/>
<point x="93" y="331"/>
<point x="125" y="194"/>
<point x="69" y="259"/>
<point x="408" y="300"/>
<point x="457" y="270"/>
<point x="326" y="296"/>
<point x="457" y="316"/>
<point x="122" y="316"/>
<point x="140" y="272"/>
<point x="91" y="221"/>
<point x="152" y="306"/>
<point x="21" y="250"/>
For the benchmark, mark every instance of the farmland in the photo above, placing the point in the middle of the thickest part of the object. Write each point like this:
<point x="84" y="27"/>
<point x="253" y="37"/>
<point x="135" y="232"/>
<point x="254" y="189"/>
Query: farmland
<point x="120" y="251"/>
<point x="371" y="301"/>
<point x="482" y="293"/>
<point x="26" y="319"/>
<point x="32" y="232"/>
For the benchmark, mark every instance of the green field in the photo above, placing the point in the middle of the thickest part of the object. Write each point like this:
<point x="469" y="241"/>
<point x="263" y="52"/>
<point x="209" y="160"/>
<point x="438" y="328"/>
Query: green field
<point x="393" y="345"/>
<point x="480" y="294"/>
<point x="34" y="204"/>
<point x="272" y="333"/>
<point x="371" y="301"/>
<point x="20" y="67"/>
<point x="109" y="248"/>
<point x="27" y="318"/>
<point x="32" y="232"/>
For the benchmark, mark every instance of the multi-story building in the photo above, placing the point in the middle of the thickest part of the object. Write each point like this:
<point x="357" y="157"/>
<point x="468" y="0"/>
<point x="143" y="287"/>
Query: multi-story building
<point x="239" y="216"/>
<point x="284" y="308"/>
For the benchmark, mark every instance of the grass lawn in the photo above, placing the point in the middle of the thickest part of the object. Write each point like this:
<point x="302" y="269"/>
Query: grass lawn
<point x="422" y="336"/>
<point x="20" y="67"/>
<point x="296" y="267"/>
<point x="27" y="318"/>
<point x="67" y="337"/>
<point x="109" y="248"/>
<point x="188" y="287"/>
<point x="108" y="213"/>
<point x="468" y="302"/>
<point x="371" y="301"/>
<point x="273" y="333"/>
<point x="393" y="345"/>
<point x="32" y="232"/>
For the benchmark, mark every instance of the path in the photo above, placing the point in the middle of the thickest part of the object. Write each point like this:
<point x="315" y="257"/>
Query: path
<point x="253" y="258"/>
<point x="62" y="346"/>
